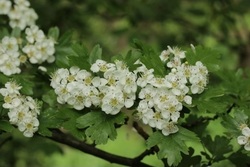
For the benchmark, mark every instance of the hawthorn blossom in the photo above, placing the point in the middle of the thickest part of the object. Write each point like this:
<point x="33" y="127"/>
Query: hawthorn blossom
<point x="40" y="49"/>
<point x="169" y="128"/>
<point x="113" y="102"/>
<point x="5" y="6"/>
<point x="23" y="110"/>
<point x="244" y="139"/>
<point x="21" y="15"/>
<point x="101" y="65"/>
<point x="34" y="34"/>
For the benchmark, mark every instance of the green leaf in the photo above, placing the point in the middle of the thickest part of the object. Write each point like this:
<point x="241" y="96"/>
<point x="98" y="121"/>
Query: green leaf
<point x="218" y="147"/>
<point x="6" y="126"/>
<point x="234" y="121"/>
<point x="79" y="57"/>
<point x="210" y="58"/>
<point x="65" y="39"/>
<point x="70" y="123"/>
<point x="100" y="126"/>
<point x="50" y="118"/>
<point x="173" y="145"/>
<point x="4" y="78"/>
<point x="190" y="159"/>
<point x="54" y="33"/>
<point x="150" y="59"/>
<point x="4" y="32"/>
<point x="131" y="57"/>
<point x="26" y="82"/>
<point x="239" y="159"/>
<point x="50" y="98"/>
<point x="63" y="49"/>
<point x="16" y="32"/>
<point x="215" y="105"/>
<point x="95" y="54"/>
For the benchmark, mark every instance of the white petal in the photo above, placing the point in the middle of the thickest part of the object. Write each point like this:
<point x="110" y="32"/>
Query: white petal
<point x="247" y="146"/>
<point x="242" y="140"/>
<point x="246" y="131"/>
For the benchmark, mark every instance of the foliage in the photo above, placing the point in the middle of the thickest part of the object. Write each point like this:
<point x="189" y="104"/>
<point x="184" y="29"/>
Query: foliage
<point x="191" y="139"/>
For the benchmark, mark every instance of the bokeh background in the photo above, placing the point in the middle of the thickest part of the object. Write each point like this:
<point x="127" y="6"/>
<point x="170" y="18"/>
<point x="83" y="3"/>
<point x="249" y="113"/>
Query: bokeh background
<point x="223" y="25"/>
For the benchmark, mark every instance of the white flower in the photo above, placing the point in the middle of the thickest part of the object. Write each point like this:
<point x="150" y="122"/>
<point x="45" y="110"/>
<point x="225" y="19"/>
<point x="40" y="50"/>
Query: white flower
<point x="18" y="114"/>
<point x="177" y="82"/>
<point x="129" y="99"/>
<point x="10" y="44"/>
<point x="145" y="76"/>
<point x="148" y="93"/>
<point x="11" y="101"/>
<point x="157" y="121"/>
<point x="101" y="65"/>
<point x="94" y="96"/>
<point x="144" y="112"/>
<point x="99" y="82"/>
<point x="5" y="6"/>
<point x="34" y="34"/>
<point x="11" y="88"/>
<point x="164" y="56"/>
<point x="177" y="52"/>
<point x="159" y="82"/>
<point x="42" y="68"/>
<point x="33" y="105"/>
<point x="28" y="126"/>
<point x="128" y="82"/>
<point x="198" y="78"/>
<point x="11" y="66"/>
<point x="79" y="95"/>
<point x="245" y="138"/>
<point x="21" y="15"/>
<point x="23" y="110"/>
<point x="171" y="110"/>
<point x="112" y="76"/>
<point x="22" y="3"/>
<point x="169" y="128"/>
<point x="112" y="102"/>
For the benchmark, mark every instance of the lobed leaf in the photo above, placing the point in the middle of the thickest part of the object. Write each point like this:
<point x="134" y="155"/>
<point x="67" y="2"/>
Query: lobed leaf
<point x="217" y="147"/>
<point x="173" y="145"/>
<point x="95" y="54"/>
<point x="49" y="119"/>
<point x="208" y="57"/>
<point x="99" y="126"/>
<point x="54" y="33"/>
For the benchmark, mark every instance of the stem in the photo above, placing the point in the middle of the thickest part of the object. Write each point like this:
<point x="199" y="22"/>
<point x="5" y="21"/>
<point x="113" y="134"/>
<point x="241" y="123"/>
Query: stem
<point x="74" y="143"/>
<point x="5" y="141"/>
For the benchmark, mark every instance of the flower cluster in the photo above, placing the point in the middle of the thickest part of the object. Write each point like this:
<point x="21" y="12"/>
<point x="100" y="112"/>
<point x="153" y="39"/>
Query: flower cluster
<point x="39" y="48"/>
<point x="113" y="89"/>
<point x="162" y="98"/>
<point x="9" y="56"/>
<point x="19" y="13"/>
<point x="23" y="110"/>
<point x="111" y="86"/>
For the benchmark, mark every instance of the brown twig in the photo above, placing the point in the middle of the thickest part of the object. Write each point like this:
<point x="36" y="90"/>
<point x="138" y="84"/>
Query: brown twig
<point x="74" y="143"/>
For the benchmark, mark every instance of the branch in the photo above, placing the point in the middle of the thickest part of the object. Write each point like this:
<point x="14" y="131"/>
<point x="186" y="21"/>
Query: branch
<point x="145" y="137"/>
<point x="141" y="132"/>
<point x="74" y="143"/>
<point x="5" y="141"/>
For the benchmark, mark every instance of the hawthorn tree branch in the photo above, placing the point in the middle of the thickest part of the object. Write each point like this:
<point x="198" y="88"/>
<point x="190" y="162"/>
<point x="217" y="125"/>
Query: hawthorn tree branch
<point x="60" y="137"/>
<point x="5" y="141"/>
<point x="145" y="136"/>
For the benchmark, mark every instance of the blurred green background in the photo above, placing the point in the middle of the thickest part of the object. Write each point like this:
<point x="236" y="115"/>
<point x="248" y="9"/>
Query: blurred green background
<point x="223" y="25"/>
